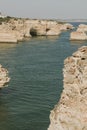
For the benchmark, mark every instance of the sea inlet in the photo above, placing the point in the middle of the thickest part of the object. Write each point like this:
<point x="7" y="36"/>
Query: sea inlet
<point x="35" y="68"/>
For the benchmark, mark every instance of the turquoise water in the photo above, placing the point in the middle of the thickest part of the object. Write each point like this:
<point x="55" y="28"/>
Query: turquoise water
<point x="35" y="68"/>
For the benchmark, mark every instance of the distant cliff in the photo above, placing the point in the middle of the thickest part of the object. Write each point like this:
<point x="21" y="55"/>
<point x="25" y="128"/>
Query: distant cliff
<point x="71" y="111"/>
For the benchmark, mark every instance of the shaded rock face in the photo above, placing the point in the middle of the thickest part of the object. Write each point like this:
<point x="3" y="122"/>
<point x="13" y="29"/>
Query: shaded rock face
<point x="71" y="111"/>
<point x="33" y="32"/>
<point x="4" y="79"/>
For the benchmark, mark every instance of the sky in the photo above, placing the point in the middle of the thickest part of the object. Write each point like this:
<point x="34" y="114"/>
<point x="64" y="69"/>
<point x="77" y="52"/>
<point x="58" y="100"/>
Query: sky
<point x="46" y="9"/>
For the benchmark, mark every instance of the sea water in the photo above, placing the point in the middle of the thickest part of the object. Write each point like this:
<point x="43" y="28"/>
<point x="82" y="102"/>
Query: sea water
<point x="35" y="68"/>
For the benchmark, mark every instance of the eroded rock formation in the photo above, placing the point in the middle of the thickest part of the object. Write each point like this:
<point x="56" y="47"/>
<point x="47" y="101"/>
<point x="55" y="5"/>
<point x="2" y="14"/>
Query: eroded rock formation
<point x="82" y="28"/>
<point x="4" y="79"/>
<point x="71" y="111"/>
<point x="80" y="33"/>
<point x="18" y="29"/>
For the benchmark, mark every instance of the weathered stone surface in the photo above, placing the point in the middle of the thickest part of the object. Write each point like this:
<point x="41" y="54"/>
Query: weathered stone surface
<point x="4" y="79"/>
<point x="82" y="28"/>
<point x="66" y="27"/>
<point x="18" y="29"/>
<point x="7" y="37"/>
<point x="78" y="35"/>
<point x="71" y="111"/>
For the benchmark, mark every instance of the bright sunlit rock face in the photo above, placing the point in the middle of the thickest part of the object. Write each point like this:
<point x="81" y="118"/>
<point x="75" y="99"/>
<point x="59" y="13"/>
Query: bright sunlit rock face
<point x="4" y="79"/>
<point x="71" y="111"/>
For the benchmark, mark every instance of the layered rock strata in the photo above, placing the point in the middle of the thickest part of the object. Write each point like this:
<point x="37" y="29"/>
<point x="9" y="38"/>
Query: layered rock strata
<point x="4" y="79"/>
<point x="71" y="111"/>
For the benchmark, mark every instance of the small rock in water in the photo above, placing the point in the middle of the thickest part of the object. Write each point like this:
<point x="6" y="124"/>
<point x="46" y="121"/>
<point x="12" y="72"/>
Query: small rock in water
<point x="4" y="79"/>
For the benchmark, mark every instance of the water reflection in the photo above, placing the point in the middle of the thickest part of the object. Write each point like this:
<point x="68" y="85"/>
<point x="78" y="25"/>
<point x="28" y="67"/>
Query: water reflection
<point x="3" y="110"/>
<point x="78" y="42"/>
<point x="6" y="46"/>
<point x="50" y="38"/>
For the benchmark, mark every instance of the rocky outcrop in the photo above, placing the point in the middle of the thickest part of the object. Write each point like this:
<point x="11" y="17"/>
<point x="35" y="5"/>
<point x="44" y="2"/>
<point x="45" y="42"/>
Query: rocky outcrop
<point x="80" y="33"/>
<point x="4" y="79"/>
<point x="82" y="28"/>
<point x="71" y="111"/>
<point x="77" y="35"/>
<point x="18" y="29"/>
<point x="45" y="28"/>
<point x="7" y="34"/>
<point x="49" y="28"/>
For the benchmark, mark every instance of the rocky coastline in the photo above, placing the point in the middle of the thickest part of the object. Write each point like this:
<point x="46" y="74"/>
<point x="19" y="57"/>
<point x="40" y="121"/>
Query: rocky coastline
<point x="71" y="111"/>
<point x="18" y="29"/>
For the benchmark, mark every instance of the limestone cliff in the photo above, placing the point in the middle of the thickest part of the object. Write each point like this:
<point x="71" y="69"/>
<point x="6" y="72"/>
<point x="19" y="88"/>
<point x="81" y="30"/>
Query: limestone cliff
<point x="71" y="111"/>
<point x="4" y="79"/>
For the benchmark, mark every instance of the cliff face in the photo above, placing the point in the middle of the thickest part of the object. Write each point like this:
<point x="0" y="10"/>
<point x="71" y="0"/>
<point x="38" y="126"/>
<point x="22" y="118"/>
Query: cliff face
<point x="71" y="111"/>
<point x="4" y="79"/>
